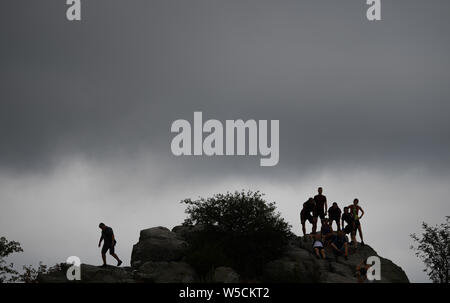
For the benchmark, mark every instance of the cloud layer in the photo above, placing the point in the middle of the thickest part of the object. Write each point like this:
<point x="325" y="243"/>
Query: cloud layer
<point x="86" y="109"/>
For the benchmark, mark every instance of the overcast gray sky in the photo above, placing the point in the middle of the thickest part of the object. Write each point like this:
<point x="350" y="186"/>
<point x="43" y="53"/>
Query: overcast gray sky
<point x="86" y="109"/>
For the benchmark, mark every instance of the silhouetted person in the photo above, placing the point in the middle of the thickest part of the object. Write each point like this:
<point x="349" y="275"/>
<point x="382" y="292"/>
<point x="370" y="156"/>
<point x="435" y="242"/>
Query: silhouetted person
<point x="354" y="210"/>
<point x="340" y="244"/>
<point x="108" y="243"/>
<point x="326" y="231"/>
<point x="334" y="214"/>
<point x="318" y="246"/>
<point x="321" y="207"/>
<point x="306" y="214"/>
<point x="347" y="218"/>
<point x="361" y="271"/>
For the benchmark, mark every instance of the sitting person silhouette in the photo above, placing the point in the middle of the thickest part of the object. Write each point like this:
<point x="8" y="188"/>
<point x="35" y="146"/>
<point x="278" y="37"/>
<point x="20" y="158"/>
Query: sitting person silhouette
<point x="318" y="246"/>
<point x="327" y="232"/>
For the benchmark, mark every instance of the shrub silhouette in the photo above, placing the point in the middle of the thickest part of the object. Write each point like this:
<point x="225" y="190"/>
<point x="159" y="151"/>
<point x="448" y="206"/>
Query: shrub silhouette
<point x="7" y="271"/>
<point x="433" y="248"/>
<point x="239" y="229"/>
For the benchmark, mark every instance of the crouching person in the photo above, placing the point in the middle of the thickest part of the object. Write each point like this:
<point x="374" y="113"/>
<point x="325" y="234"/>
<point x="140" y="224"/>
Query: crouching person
<point x="361" y="271"/>
<point x="340" y="244"/>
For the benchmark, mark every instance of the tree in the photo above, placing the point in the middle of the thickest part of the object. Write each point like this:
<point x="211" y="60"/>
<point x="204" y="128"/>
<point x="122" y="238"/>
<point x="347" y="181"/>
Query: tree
<point x="31" y="274"/>
<point x="7" y="271"/>
<point x="433" y="248"/>
<point x="239" y="229"/>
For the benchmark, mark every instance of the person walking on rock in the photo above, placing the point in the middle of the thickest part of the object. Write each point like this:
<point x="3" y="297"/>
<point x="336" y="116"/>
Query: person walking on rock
<point x="109" y="242"/>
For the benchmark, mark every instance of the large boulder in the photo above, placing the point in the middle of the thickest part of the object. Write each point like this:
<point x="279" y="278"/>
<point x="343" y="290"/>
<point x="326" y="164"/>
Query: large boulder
<point x="184" y="232"/>
<point x="110" y="274"/>
<point x="299" y="264"/>
<point x="296" y="265"/>
<point x="225" y="274"/>
<point x="92" y="274"/>
<point x="337" y="278"/>
<point x="392" y="273"/>
<point x="157" y="244"/>
<point x="166" y="272"/>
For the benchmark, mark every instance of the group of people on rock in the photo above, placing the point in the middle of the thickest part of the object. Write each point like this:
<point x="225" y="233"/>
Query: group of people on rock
<point x="346" y="223"/>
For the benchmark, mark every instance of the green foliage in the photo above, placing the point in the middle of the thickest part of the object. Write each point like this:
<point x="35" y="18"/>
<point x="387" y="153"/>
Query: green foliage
<point x="433" y="248"/>
<point x="7" y="248"/>
<point x="239" y="229"/>
<point x="7" y="271"/>
<point x="31" y="274"/>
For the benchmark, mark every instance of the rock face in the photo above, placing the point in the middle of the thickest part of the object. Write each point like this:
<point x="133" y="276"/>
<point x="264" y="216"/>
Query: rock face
<point x="157" y="244"/>
<point x="225" y="275"/>
<point x="166" y="272"/>
<point x="299" y="264"/>
<point x="159" y="257"/>
<point x="94" y="274"/>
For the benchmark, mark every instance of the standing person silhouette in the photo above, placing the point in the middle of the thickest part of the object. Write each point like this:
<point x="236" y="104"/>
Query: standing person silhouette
<point x="354" y="210"/>
<point x="348" y="218"/>
<point x="108" y="243"/>
<point x="305" y="214"/>
<point x="321" y="207"/>
<point x="334" y="213"/>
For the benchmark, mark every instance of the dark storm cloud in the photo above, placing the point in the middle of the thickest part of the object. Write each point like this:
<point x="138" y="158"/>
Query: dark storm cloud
<point x="347" y="92"/>
<point x="86" y="109"/>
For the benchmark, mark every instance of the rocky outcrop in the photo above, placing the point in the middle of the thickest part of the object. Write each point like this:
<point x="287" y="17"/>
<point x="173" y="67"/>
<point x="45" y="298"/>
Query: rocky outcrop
<point x="157" y="244"/>
<point x="166" y="272"/>
<point x="224" y="274"/>
<point x="159" y="257"/>
<point x="93" y="274"/>
<point x="299" y="264"/>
